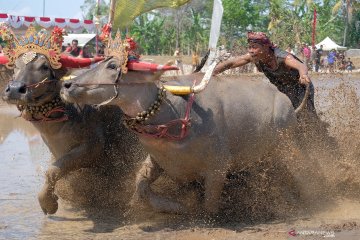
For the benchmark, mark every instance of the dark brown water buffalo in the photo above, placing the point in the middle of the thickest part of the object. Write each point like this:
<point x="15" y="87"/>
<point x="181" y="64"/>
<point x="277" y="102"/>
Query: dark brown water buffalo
<point x="232" y="124"/>
<point x="77" y="139"/>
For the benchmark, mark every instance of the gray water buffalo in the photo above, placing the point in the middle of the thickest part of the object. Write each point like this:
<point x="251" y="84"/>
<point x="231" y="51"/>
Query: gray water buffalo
<point x="77" y="139"/>
<point x="226" y="127"/>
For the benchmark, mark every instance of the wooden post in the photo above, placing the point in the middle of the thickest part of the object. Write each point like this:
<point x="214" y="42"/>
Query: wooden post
<point x="112" y="11"/>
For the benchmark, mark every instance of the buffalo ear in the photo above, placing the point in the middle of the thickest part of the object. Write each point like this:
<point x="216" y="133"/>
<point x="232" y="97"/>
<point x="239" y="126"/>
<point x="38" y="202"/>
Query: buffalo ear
<point x="60" y="73"/>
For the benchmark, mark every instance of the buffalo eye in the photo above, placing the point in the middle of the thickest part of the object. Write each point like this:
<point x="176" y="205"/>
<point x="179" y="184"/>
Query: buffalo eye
<point x="45" y="68"/>
<point x="112" y="66"/>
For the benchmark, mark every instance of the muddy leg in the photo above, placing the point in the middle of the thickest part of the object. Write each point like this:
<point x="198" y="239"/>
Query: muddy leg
<point x="148" y="173"/>
<point x="47" y="197"/>
<point x="214" y="183"/>
<point x="305" y="170"/>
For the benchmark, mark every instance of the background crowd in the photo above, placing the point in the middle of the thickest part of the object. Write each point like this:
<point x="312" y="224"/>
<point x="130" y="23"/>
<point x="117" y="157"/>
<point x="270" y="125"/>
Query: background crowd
<point x="319" y="60"/>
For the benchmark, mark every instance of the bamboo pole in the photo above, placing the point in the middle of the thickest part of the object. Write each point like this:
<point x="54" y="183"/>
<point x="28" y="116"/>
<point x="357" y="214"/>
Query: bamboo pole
<point x="112" y="11"/>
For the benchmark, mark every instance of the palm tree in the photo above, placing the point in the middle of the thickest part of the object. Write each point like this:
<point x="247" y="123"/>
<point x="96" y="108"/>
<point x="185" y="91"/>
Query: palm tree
<point x="347" y="7"/>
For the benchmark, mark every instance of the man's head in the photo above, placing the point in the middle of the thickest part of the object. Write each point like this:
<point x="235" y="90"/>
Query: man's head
<point x="321" y="46"/>
<point x="74" y="43"/>
<point x="259" y="45"/>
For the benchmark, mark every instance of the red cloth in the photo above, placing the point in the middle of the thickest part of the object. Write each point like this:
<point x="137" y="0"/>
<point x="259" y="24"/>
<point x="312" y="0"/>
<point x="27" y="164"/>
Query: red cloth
<point x="259" y="37"/>
<point x="74" y="62"/>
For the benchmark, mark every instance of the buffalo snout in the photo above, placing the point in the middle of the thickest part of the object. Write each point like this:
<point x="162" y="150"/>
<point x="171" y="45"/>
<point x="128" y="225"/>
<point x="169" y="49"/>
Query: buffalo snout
<point x="15" y="90"/>
<point x="67" y="84"/>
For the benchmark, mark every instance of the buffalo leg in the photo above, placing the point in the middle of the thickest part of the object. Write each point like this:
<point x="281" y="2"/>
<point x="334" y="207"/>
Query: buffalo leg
<point x="148" y="173"/>
<point x="47" y="198"/>
<point x="214" y="183"/>
<point x="71" y="161"/>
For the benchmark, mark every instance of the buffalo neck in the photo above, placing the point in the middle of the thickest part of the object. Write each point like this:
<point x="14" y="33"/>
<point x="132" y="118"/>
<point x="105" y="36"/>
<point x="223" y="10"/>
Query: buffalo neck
<point x="136" y="98"/>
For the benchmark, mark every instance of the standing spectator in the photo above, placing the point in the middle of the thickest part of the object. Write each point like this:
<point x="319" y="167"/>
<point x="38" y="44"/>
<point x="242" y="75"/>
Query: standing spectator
<point x="195" y="60"/>
<point x="340" y="58"/>
<point x="313" y="58"/>
<point x="178" y="61"/>
<point x="324" y="64"/>
<point x="306" y="52"/>
<point x="349" y="65"/>
<point x="319" y="53"/>
<point x="331" y="59"/>
<point x="74" y="49"/>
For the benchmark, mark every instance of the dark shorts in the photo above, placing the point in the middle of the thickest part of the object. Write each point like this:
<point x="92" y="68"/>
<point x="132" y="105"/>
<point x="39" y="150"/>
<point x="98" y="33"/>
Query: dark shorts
<point x="296" y="94"/>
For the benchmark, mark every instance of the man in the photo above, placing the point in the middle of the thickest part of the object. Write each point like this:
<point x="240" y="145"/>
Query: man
<point x="306" y="52"/>
<point x="195" y="61"/>
<point x="313" y="58"/>
<point x="331" y="60"/>
<point x="178" y="61"/>
<point x="283" y="69"/>
<point x="74" y="49"/>
<point x="319" y="53"/>
<point x="349" y="65"/>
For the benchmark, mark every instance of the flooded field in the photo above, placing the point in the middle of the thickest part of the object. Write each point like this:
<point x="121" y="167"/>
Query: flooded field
<point x="24" y="159"/>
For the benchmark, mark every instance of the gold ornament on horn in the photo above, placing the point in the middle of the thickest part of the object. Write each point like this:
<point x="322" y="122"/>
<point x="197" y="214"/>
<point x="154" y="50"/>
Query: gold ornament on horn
<point x="119" y="49"/>
<point x="31" y="44"/>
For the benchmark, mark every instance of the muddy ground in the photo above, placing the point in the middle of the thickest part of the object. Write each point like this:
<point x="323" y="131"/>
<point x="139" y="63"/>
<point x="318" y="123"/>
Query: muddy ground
<point x="255" y="203"/>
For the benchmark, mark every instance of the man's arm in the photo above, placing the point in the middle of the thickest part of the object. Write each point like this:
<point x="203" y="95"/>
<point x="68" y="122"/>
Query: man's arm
<point x="291" y="62"/>
<point x="232" y="63"/>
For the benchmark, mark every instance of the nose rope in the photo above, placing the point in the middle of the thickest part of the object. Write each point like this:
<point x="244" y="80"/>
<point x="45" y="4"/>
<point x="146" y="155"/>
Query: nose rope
<point x="116" y="92"/>
<point x="36" y="85"/>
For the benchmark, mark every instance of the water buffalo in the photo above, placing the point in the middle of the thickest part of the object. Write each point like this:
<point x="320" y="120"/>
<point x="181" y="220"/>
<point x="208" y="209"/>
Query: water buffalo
<point x="77" y="139"/>
<point x="232" y="124"/>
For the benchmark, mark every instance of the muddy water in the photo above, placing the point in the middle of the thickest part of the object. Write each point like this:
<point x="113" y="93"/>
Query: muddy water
<point x="23" y="160"/>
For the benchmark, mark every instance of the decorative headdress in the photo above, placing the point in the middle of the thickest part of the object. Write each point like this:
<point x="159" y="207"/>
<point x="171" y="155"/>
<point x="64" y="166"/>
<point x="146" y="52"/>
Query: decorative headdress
<point x="118" y="48"/>
<point x="31" y="44"/>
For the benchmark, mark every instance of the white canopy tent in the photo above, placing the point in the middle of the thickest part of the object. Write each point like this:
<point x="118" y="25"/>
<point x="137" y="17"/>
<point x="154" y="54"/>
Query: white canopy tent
<point x="329" y="44"/>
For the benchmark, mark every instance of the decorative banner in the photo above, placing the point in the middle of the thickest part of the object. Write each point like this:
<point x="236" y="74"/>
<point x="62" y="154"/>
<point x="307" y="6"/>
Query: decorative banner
<point x="46" y="22"/>
<point x="314" y="28"/>
<point x="215" y="28"/>
<point x="15" y="21"/>
<point x="126" y="11"/>
<point x="74" y="23"/>
<point x="89" y="25"/>
<point x="28" y="21"/>
<point x="3" y="17"/>
<point x="60" y="22"/>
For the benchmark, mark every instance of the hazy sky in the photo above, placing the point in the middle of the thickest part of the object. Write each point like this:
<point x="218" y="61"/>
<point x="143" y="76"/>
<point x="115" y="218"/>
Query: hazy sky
<point x="53" y="8"/>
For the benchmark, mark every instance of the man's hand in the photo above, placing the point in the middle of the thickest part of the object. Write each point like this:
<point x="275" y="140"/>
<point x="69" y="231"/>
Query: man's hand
<point x="304" y="79"/>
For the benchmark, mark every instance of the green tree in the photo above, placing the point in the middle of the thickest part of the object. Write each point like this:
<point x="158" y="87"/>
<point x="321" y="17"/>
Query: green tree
<point x="90" y="9"/>
<point x="346" y="9"/>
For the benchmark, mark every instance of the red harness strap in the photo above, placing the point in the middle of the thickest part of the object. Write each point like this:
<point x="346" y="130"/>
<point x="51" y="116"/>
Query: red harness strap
<point x="161" y="131"/>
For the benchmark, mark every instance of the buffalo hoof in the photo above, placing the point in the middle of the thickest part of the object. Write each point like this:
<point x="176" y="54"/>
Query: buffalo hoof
<point x="48" y="202"/>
